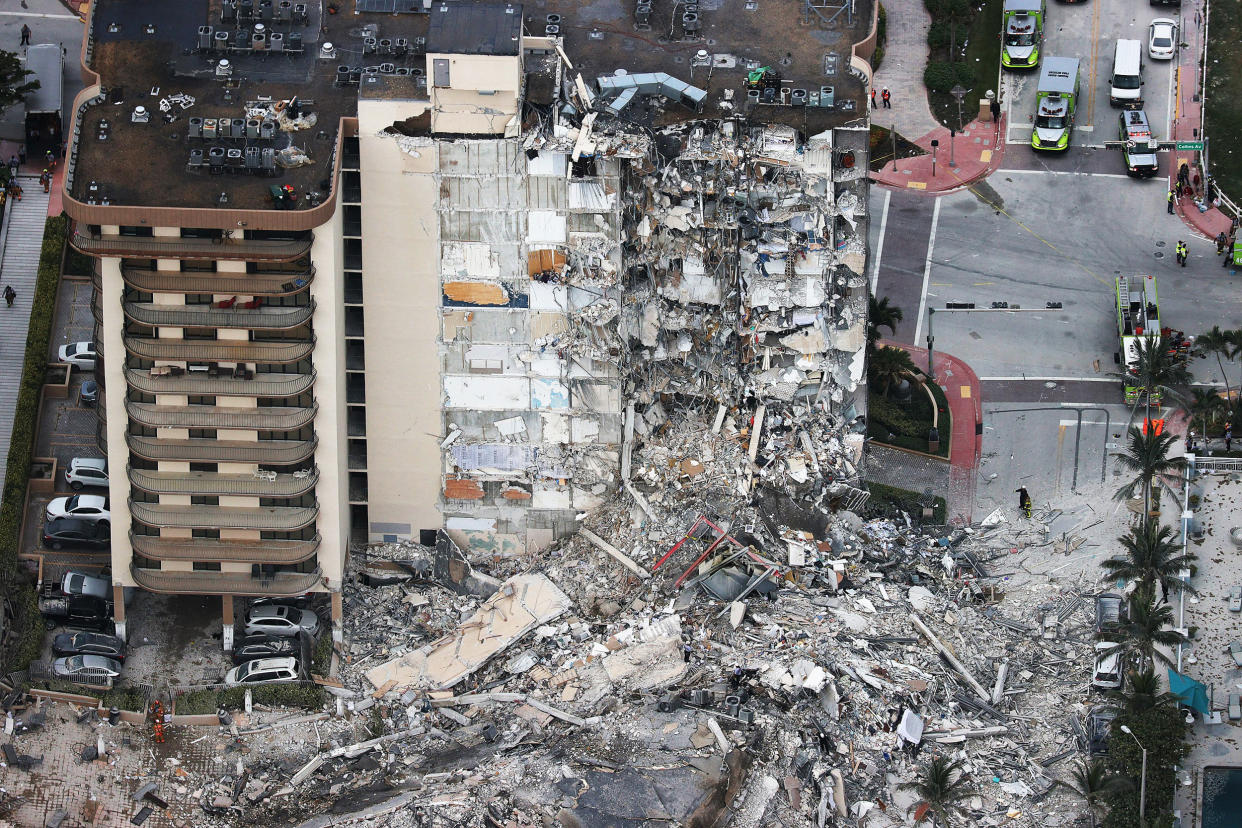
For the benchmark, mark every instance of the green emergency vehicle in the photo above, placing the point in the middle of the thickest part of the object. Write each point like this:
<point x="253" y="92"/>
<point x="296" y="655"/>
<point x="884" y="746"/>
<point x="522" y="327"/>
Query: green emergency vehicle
<point x="1022" y="33"/>
<point x="1055" y="102"/>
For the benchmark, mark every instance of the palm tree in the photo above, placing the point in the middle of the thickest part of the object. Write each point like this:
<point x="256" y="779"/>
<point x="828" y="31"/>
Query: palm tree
<point x="889" y="365"/>
<point x="1216" y="343"/>
<point x="1147" y="457"/>
<point x="1152" y="557"/>
<point x="880" y="314"/>
<point x="1149" y="625"/>
<point x="1092" y="782"/>
<point x="1144" y="692"/>
<point x="942" y="785"/>
<point x="1205" y="405"/>
<point x="1155" y="369"/>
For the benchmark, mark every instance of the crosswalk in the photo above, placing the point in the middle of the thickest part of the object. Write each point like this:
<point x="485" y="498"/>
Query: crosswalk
<point x="21" y="237"/>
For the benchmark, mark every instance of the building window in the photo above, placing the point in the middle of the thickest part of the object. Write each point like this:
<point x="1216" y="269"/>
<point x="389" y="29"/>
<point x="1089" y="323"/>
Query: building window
<point x="206" y="533"/>
<point x="206" y="566"/>
<point x="205" y="500"/>
<point x="202" y="467"/>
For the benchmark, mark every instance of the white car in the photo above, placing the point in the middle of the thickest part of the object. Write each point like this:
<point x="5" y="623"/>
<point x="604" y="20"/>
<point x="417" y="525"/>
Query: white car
<point x="1107" y="667"/>
<point x="81" y="354"/>
<point x="1235" y="599"/>
<point x="87" y="471"/>
<point x="264" y="671"/>
<point x="280" y="620"/>
<point x="1162" y="38"/>
<point x="84" y="668"/>
<point x="87" y="507"/>
<point x="79" y="583"/>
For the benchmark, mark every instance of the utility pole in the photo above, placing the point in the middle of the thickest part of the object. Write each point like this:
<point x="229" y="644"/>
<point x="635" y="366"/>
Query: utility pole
<point x="934" y="144"/>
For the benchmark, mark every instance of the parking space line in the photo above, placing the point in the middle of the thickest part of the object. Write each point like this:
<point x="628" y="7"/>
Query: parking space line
<point x="1095" y="54"/>
<point x="879" y="248"/>
<point x="931" y="243"/>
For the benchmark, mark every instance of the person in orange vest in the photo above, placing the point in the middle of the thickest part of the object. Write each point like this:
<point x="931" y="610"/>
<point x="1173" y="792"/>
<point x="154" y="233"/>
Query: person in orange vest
<point x="45" y="179"/>
<point x="157" y="719"/>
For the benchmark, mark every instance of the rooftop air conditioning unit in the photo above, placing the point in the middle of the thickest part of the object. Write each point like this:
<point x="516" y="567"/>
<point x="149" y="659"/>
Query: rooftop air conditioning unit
<point x="300" y="12"/>
<point x="196" y="128"/>
<point x="234" y="157"/>
<point x="385" y="46"/>
<point x="196" y="157"/>
<point x="387" y="68"/>
<point x="284" y="11"/>
<point x="140" y="115"/>
<point x="239" y="128"/>
<point x="369" y="45"/>
<point x="276" y="42"/>
<point x="254" y="156"/>
<point x="245" y="9"/>
<point x="400" y="46"/>
<point x="252" y="129"/>
<point x="293" y="42"/>
<point x="267" y="130"/>
<point x="327" y="51"/>
<point x="228" y="11"/>
<point x="551" y="30"/>
<point x="222" y="40"/>
<point x="206" y="36"/>
<point x="210" y="128"/>
<point x="403" y="71"/>
<point x="265" y="9"/>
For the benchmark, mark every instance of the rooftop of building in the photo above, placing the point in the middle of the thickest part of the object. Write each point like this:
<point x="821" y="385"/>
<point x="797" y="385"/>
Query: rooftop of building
<point x="166" y="58"/>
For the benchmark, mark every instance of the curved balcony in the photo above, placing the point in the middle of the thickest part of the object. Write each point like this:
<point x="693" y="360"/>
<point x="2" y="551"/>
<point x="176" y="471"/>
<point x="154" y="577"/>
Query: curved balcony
<point x="214" y="484"/>
<point x="265" y="452"/>
<point x="211" y="549"/>
<point x="263" y="518"/>
<point x="214" y="416"/>
<point x="274" y="250"/>
<point x="262" y="318"/>
<point x="225" y="583"/>
<point x="241" y="284"/>
<point x="199" y="383"/>
<point x="219" y="350"/>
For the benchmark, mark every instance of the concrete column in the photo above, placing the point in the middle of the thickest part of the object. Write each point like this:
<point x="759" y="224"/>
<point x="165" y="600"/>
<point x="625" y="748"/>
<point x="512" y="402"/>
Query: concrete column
<point x="338" y="615"/>
<point x="226" y="612"/>
<point x="118" y="609"/>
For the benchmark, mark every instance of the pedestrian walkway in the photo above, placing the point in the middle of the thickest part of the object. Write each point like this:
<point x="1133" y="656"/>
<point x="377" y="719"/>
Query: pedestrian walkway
<point x="21" y="237"/>
<point x="1188" y="124"/>
<point x="977" y="152"/>
<point x="901" y="71"/>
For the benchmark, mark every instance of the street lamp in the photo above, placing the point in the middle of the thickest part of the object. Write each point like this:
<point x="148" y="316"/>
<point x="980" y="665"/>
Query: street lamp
<point x="934" y="145"/>
<point x="959" y="92"/>
<point x="1143" y="779"/>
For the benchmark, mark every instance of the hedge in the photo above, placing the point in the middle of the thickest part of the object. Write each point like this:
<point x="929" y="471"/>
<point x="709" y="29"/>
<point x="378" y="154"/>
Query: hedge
<point x="886" y="499"/>
<point x="321" y="658"/>
<point x="941" y="76"/>
<point x="201" y="702"/>
<point x="881" y="39"/>
<point x="22" y="445"/>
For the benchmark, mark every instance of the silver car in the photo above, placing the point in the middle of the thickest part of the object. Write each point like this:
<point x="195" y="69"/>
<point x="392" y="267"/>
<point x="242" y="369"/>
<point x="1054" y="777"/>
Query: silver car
<point x="87" y="471"/>
<point x="86" y="668"/>
<point x="264" y="671"/>
<point x="1235" y="599"/>
<point x="281" y="620"/>
<point x="79" y="583"/>
<point x="81" y="354"/>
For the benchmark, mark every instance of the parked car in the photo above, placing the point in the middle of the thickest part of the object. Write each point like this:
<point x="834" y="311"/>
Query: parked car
<point x="1235" y="650"/>
<point x="87" y="471"/>
<point x="81" y="612"/>
<point x="1162" y="38"/>
<point x="1235" y="707"/>
<point x="79" y="583"/>
<point x="1235" y="599"/>
<point x="84" y="667"/>
<point x="1099" y="721"/>
<point x="71" y="532"/>
<point x="89" y="394"/>
<point x="264" y="671"/>
<point x="1111" y="611"/>
<point x="81" y="354"/>
<point x="283" y="621"/>
<point x="251" y="647"/>
<point x="88" y="643"/>
<point x="85" y="506"/>
<point x="1107" y="674"/>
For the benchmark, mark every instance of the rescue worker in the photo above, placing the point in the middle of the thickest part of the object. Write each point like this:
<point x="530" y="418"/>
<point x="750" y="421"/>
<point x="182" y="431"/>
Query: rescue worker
<point x="1024" y="500"/>
<point x="1182" y="250"/>
<point x="1170" y="201"/>
<point x="1221" y="241"/>
<point x="45" y="178"/>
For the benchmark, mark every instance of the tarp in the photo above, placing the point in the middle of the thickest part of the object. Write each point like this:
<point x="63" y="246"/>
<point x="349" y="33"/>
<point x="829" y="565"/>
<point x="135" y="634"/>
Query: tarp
<point x="1189" y="692"/>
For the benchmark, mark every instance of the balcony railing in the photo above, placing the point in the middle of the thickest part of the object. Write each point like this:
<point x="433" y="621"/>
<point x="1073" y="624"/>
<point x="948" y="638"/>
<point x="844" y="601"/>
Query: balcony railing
<point x="214" y="484"/>
<point x="262" y="318"/>
<point x="213" y="550"/>
<point x="265" y="452"/>
<point x="241" y="284"/>
<point x="224" y="385"/>
<point x="219" y="350"/>
<point x="264" y="518"/>
<point x="162" y="247"/>
<point x="260" y="484"/>
<point x="214" y="416"/>
<point x="225" y="583"/>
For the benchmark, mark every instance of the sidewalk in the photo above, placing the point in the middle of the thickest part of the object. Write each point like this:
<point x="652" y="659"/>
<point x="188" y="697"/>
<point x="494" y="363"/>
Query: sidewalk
<point x="962" y="390"/>
<point x="978" y="151"/>
<point x="1187" y="123"/>
<point x="901" y="71"/>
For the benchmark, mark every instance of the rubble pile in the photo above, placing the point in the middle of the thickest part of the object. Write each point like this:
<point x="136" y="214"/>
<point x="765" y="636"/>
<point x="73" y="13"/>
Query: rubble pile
<point x="697" y="655"/>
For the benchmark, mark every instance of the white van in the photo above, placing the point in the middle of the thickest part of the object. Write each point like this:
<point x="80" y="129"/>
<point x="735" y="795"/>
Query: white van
<point x="1125" y="85"/>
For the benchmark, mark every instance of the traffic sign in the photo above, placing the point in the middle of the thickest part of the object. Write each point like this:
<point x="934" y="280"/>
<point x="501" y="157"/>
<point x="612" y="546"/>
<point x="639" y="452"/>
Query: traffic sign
<point x="1195" y="146"/>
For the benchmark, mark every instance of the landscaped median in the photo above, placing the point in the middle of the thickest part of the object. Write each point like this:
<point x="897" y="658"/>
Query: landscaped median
<point x="28" y="643"/>
<point x="906" y="409"/>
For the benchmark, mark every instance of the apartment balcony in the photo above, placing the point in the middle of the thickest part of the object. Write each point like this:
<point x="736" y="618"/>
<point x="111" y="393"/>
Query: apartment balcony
<point x="214" y="484"/>
<point x="219" y="350"/>
<point x="272" y="250"/>
<point x="262" y="318"/>
<point x="263" y="452"/>
<point x="282" y="418"/>
<point x="240" y="284"/>
<point x="263" y="518"/>
<point x="226" y="583"/>
<point x="223" y="385"/>
<point x="212" y="550"/>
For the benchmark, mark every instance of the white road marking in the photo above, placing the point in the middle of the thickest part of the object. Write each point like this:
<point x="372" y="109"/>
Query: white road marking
<point x="1022" y="378"/>
<point x="1063" y="172"/>
<point x="41" y="16"/>
<point x="931" y="243"/>
<point x="879" y="248"/>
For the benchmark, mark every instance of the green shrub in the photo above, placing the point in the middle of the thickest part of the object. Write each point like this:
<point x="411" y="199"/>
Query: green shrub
<point x="941" y="34"/>
<point x="895" y="417"/>
<point x="22" y="443"/>
<point x="940" y="76"/>
<point x="201" y="702"/>
<point x="881" y="38"/>
<point x="321" y="658"/>
<point x="887" y="500"/>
